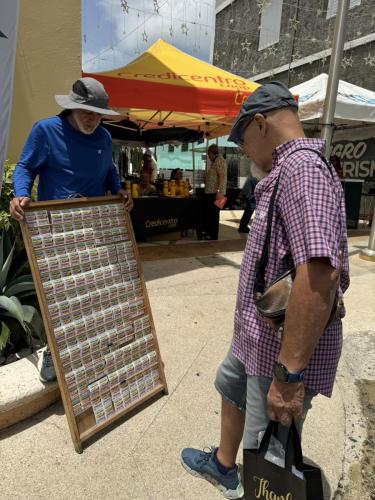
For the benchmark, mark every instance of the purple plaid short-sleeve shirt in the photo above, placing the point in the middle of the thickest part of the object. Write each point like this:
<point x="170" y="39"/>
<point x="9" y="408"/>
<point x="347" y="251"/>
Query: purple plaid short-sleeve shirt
<point x="309" y="221"/>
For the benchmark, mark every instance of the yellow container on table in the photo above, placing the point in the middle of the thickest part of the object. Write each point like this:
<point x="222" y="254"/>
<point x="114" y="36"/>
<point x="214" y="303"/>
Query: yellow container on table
<point x="135" y="193"/>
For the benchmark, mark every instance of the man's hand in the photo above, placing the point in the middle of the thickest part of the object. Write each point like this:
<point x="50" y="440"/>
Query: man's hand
<point x="285" y="402"/>
<point x="127" y="199"/>
<point x="219" y="196"/>
<point x="16" y="207"/>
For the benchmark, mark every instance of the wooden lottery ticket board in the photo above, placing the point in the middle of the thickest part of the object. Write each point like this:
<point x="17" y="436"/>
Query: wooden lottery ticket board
<point x="95" y="308"/>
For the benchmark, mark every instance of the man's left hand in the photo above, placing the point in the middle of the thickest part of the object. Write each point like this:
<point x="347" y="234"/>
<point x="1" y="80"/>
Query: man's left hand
<point x="126" y="198"/>
<point x="285" y="402"/>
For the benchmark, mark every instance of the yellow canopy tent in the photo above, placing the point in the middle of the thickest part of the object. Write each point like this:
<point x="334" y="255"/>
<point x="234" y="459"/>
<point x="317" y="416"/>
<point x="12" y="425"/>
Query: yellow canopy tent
<point x="164" y="87"/>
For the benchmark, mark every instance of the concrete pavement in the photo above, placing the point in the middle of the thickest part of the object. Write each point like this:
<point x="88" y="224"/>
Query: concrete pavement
<point x="193" y="300"/>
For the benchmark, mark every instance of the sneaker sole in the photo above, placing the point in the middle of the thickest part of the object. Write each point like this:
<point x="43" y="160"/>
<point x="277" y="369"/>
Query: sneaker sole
<point x="230" y="494"/>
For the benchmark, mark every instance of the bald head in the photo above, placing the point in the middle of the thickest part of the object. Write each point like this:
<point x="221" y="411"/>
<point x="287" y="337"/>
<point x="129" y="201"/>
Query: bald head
<point x="266" y="132"/>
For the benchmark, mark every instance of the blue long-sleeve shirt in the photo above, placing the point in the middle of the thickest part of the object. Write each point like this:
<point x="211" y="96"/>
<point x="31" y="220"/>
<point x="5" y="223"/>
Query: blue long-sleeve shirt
<point x="67" y="162"/>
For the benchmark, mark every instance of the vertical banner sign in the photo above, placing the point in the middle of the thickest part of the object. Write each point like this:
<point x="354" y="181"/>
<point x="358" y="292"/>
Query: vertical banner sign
<point x="8" y="43"/>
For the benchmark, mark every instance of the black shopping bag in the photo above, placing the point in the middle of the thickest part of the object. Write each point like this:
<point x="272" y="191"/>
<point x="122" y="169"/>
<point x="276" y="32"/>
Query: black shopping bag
<point x="266" y="480"/>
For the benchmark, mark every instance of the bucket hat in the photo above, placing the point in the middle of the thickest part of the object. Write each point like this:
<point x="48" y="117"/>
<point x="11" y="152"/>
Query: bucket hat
<point x="87" y="93"/>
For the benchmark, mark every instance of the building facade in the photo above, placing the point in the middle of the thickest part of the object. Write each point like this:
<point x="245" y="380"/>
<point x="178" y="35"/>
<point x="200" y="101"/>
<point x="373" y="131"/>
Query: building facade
<point x="290" y="40"/>
<point x="48" y="61"/>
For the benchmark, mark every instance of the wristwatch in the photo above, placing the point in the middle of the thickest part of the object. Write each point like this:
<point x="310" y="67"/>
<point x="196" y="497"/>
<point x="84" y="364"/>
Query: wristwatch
<point x="282" y="374"/>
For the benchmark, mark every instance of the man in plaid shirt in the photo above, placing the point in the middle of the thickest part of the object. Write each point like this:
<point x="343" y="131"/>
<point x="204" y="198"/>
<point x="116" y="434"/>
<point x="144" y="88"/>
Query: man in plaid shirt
<point x="264" y="377"/>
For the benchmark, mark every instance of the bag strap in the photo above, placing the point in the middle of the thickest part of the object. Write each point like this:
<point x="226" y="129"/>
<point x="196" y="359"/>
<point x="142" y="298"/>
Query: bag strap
<point x="271" y="430"/>
<point x="293" y="451"/>
<point x="261" y="265"/>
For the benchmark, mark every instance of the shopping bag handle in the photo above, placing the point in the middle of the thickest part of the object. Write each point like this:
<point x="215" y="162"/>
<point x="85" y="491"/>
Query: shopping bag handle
<point x="271" y="430"/>
<point x="293" y="451"/>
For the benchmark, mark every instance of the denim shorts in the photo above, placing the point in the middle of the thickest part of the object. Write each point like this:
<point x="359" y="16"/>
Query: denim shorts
<point x="249" y="394"/>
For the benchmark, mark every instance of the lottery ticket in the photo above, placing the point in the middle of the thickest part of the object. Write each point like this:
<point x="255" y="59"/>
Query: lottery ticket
<point x="142" y="326"/>
<point x="37" y="218"/>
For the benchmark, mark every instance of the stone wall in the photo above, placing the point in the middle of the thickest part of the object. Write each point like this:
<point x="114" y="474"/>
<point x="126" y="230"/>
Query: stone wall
<point x="237" y="39"/>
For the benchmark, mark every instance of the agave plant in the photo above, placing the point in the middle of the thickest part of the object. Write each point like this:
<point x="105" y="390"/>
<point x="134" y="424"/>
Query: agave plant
<point x="20" y="321"/>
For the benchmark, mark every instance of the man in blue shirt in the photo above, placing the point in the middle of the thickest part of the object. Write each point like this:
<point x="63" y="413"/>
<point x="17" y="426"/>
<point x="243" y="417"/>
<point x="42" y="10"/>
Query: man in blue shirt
<point x="72" y="155"/>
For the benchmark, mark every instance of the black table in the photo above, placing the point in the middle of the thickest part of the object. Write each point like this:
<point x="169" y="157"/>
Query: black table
<point x="154" y="215"/>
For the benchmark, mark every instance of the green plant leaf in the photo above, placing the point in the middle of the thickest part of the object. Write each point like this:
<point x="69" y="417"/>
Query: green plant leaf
<point x="4" y="335"/>
<point x="11" y="307"/>
<point x="6" y="266"/>
<point x="34" y="321"/>
<point x="19" y="337"/>
<point x="19" y="286"/>
<point x="19" y="266"/>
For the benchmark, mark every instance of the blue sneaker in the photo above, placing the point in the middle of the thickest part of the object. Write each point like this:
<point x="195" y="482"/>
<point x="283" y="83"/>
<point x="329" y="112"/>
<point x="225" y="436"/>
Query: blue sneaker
<point x="201" y="464"/>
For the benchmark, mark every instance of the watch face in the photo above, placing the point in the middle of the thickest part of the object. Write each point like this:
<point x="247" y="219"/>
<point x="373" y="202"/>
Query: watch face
<point x="280" y="372"/>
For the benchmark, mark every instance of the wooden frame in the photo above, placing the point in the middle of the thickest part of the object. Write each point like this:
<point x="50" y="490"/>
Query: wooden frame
<point x="84" y="426"/>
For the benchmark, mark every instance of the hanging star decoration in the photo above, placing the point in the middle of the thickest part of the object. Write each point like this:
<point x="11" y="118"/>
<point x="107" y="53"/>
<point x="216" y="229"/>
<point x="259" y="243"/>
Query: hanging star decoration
<point x="245" y="45"/>
<point x="144" y="37"/>
<point x="125" y="6"/>
<point x="347" y="62"/>
<point x="184" y="29"/>
<point x="324" y="60"/>
<point x="261" y="4"/>
<point x="216" y="55"/>
<point x="234" y="63"/>
<point x="293" y="24"/>
<point x="359" y="33"/>
<point x="156" y="7"/>
<point x="319" y="12"/>
<point x="171" y="32"/>
<point x="254" y="69"/>
<point x="301" y="75"/>
<point x="231" y="21"/>
<point x="272" y="51"/>
<point x="296" y="56"/>
<point x="369" y="60"/>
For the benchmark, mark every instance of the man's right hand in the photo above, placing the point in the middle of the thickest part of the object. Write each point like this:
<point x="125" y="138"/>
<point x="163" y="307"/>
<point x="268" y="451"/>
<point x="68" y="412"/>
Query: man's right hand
<point x="16" y="207"/>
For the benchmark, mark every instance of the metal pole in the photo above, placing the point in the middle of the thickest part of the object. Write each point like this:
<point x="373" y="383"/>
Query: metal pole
<point x="369" y="252"/>
<point x="193" y="152"/>
<point x="334" y="72"/>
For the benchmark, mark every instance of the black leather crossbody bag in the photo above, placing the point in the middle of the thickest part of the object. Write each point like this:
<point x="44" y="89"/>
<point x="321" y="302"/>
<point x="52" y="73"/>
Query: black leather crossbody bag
<point x="272" y="302"/>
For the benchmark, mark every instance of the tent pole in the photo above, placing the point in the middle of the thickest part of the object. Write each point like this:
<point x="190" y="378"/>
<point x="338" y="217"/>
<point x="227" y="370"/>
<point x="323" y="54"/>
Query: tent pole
<point x="193" y="153"/>
<point x="369" y="252"/>
<point x="206" y="154"/>
<point x="334" y="73"/>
